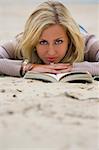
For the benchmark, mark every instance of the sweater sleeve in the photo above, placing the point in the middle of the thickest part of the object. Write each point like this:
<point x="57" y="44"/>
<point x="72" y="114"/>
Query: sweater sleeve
<point x="91" y="56"/>
<point x="10" y="67"/>
<point x="91" y="48"/>
<point x="8" y="64"/>
<point x="92" y="67"/>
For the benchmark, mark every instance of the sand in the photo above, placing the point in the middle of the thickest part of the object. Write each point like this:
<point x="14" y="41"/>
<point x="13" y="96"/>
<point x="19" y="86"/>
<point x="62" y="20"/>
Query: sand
<point x="35" y="115"/>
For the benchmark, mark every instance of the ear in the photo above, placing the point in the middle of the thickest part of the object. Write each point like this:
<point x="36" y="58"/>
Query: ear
<point x="34" y="49"/>
<point x="35" y="57"/>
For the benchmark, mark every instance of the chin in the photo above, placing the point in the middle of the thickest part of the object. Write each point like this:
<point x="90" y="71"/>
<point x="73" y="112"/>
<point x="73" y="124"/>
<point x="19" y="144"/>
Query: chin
<point x="45" y="62"/>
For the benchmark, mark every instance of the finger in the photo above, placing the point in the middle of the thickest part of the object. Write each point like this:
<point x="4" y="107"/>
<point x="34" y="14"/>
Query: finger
<point x="58" y="67"/>
<point x="43" y="69"/>
<point x="65" y="70"/>
<point x="48" y="70"/>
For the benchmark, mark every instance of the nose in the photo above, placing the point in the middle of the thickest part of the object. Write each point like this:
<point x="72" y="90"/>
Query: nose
<point x="51" y="50"/>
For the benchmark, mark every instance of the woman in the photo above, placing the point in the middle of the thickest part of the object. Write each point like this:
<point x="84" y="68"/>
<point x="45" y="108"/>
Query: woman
<point x="51" y="42"/>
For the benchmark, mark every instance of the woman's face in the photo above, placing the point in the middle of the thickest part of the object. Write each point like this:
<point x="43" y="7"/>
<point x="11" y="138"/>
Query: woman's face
<point x="53" y="44"/>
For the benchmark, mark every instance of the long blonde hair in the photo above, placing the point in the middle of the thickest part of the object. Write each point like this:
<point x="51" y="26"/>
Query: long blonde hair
<point x="46" y="14"/>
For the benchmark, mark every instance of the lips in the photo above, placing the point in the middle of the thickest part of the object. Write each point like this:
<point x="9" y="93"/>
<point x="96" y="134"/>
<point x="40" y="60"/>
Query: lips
<point x="51" y="59"/>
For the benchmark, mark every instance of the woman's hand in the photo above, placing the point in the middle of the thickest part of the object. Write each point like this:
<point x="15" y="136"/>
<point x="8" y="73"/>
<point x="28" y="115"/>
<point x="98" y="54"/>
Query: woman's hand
<point x="51" y="68"/>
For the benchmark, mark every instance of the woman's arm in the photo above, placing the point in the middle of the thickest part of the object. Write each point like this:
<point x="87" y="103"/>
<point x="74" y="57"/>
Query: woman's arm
<point x="91" y="48"/>
<point x="92" y="67"/>
<point x="10" y="67"/>
<point x="91" y="59"/>
<point x="8" y="64"/>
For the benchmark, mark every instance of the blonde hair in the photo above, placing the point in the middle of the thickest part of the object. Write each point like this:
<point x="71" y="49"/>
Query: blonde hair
<point x="46" y="14"/>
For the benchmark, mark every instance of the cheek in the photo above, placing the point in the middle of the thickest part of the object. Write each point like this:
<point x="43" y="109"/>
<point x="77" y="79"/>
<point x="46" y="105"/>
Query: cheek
<point x="66" y="45"/>
<point x="40" y="51"/>
<point x="62" y="53"/>
<point x="63" y="49"/>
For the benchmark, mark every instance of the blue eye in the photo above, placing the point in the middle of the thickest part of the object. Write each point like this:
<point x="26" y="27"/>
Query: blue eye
<point x="57" y="42"/>
<point x="43" y="42"/>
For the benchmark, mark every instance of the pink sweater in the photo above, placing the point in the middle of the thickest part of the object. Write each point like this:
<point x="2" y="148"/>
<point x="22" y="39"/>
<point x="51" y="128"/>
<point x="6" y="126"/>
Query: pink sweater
<point x="9" y="65"/>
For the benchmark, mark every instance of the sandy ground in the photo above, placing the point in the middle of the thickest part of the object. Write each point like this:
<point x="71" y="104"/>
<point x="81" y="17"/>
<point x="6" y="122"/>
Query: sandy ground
<point x="47" y="116"/>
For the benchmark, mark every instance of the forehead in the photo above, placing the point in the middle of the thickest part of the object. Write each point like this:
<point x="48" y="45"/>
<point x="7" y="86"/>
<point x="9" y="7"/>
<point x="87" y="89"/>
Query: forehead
<point x="53" y="31"/>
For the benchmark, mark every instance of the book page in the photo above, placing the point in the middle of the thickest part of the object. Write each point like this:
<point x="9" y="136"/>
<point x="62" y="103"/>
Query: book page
<point x="76" y="77"/>
<point x="58" y="76"/>
<point x="63" y="77"/>
<point x="41" y="76"/>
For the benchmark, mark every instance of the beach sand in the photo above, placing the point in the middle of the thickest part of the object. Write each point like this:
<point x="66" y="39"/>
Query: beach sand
<point x="35" y="115"/>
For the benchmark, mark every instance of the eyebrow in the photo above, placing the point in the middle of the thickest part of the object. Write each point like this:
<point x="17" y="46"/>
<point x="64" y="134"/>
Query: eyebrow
<point x="54" y="39"/>
<point x="59" y="38"/>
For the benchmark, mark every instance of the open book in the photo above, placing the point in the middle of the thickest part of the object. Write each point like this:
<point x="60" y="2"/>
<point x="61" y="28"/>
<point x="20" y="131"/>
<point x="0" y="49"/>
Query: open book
<point x="77" y="76"/>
